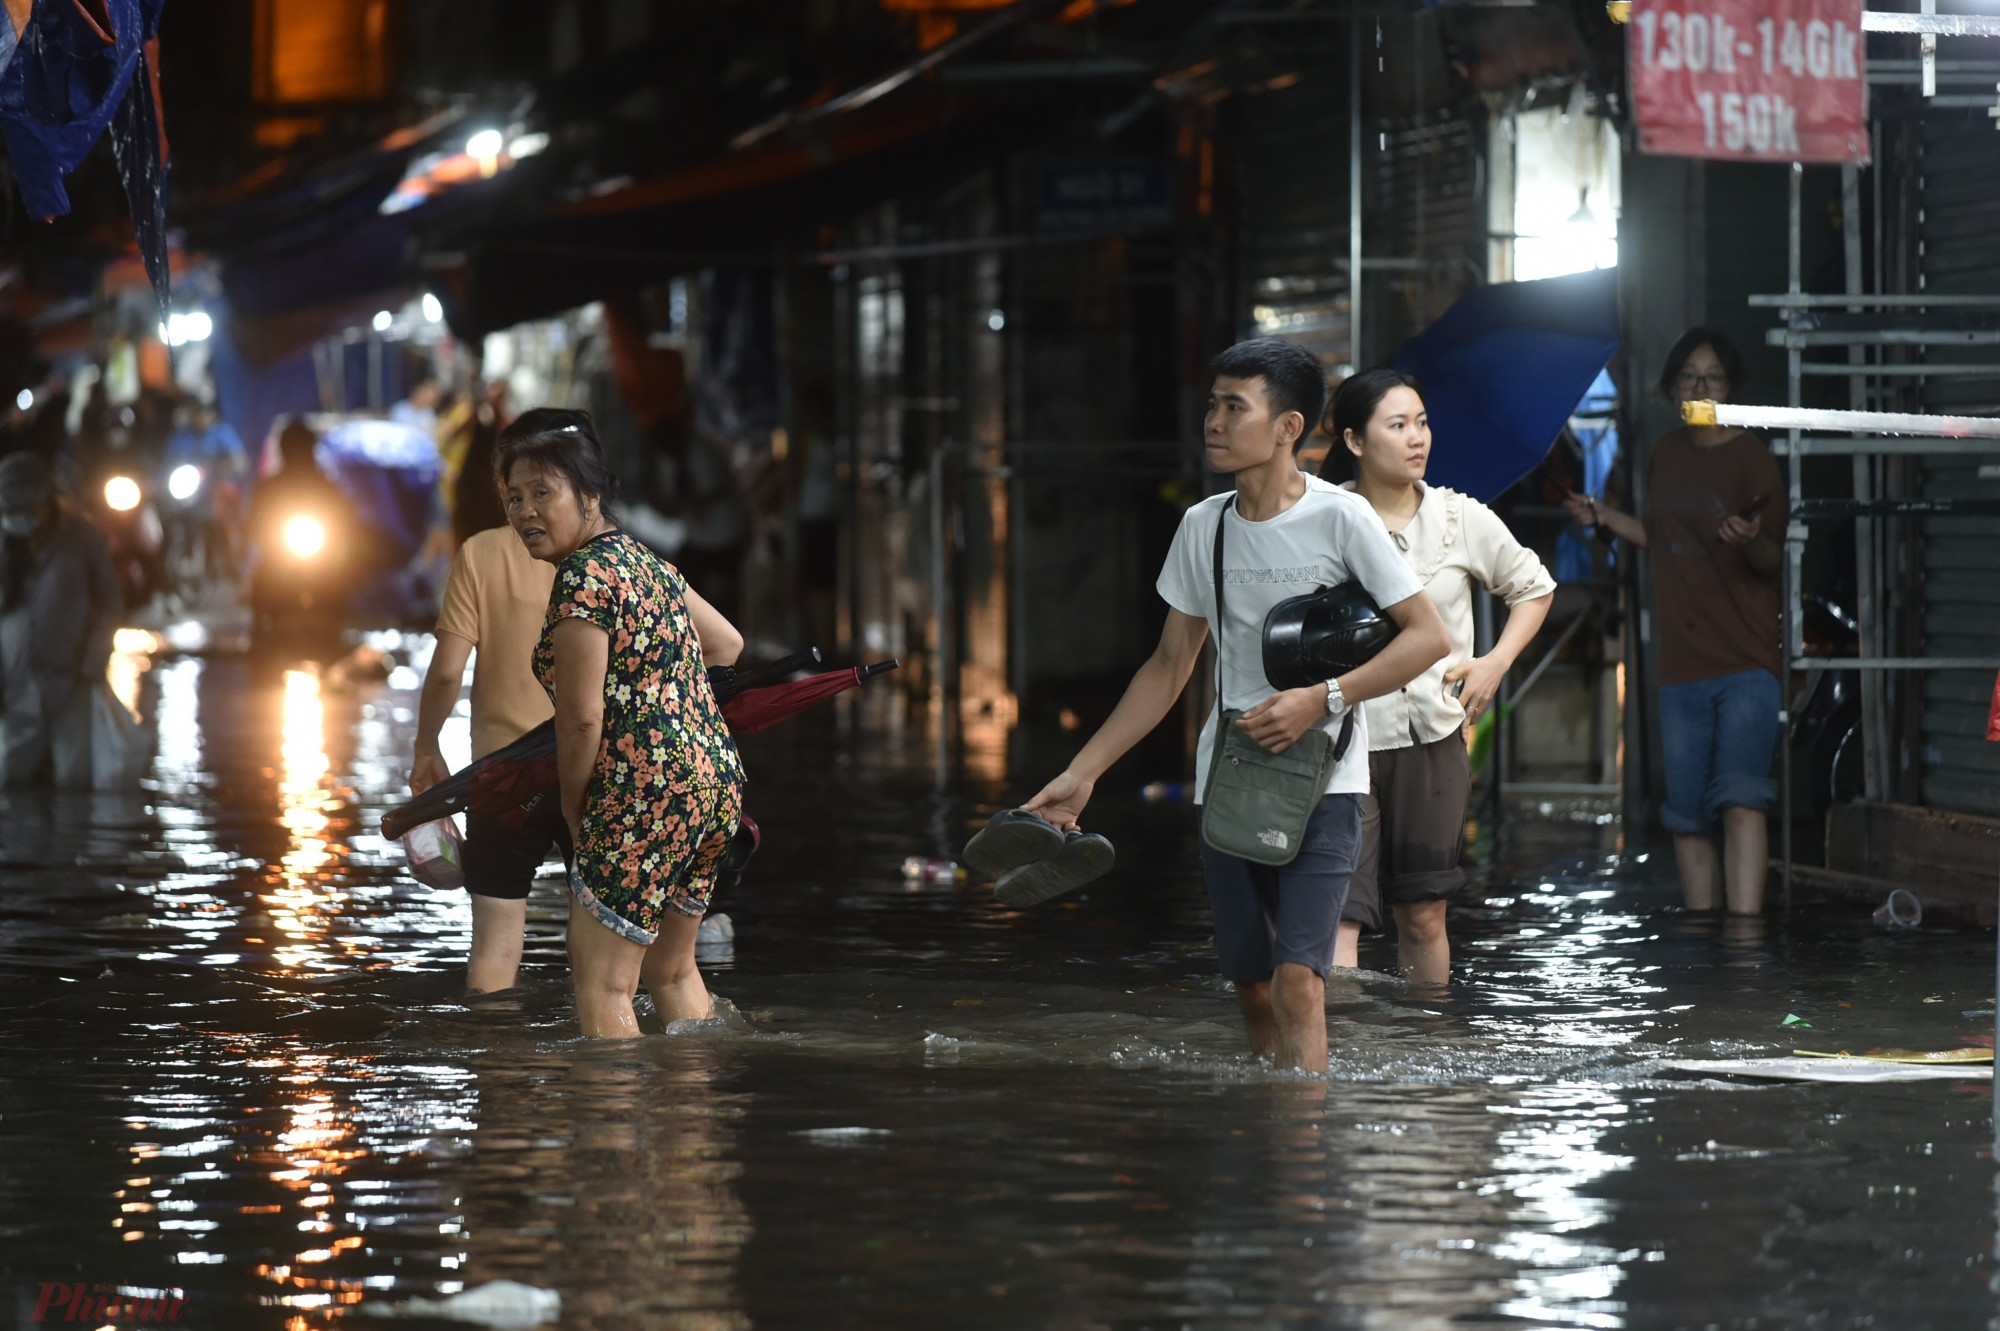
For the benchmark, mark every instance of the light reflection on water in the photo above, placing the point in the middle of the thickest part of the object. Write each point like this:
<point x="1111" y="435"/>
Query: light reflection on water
<point x="930" y="1110"/>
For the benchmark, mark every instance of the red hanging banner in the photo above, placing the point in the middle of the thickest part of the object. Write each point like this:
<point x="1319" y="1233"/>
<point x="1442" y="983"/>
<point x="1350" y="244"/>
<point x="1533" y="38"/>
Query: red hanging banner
<point x="1776" y="81"/>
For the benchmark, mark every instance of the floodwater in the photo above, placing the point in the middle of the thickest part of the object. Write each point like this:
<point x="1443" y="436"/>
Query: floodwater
<point x="238" y="1064"/>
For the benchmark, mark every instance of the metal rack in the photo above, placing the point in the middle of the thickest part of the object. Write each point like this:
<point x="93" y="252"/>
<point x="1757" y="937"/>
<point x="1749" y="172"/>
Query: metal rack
<point x="1859" y="322"/>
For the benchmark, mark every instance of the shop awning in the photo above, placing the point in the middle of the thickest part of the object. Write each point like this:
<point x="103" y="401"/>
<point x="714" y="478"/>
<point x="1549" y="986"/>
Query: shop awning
<point x="738" y="207"/>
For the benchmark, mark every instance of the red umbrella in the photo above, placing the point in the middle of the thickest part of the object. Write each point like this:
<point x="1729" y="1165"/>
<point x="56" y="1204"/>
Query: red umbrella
<point x="508" y="783"/>
<point x="759" y="709"/>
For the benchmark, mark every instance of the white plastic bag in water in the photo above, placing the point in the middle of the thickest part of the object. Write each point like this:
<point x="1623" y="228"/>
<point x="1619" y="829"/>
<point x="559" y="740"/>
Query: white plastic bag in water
<point x="435" y="852"/>
<point x="117" y="744"/>
<point x="507" y="1305"/>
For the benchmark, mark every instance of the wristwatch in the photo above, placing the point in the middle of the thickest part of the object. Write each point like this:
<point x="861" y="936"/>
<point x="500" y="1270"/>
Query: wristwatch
<point x="1336" y="702"/>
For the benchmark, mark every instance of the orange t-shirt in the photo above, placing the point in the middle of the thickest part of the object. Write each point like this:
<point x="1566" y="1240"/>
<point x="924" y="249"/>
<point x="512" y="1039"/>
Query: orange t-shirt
<point x="496" y="599"/>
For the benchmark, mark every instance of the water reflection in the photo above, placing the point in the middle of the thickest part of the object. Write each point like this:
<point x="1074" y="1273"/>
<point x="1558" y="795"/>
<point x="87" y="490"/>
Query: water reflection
<point x="615" y="1176"/>
<point x="241" y="1064"/>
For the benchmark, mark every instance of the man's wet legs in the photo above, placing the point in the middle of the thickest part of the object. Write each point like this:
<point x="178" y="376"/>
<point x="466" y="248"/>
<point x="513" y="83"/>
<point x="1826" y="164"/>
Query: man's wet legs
<point x="1285" y="1017"/>
<point x="498" y="927"/>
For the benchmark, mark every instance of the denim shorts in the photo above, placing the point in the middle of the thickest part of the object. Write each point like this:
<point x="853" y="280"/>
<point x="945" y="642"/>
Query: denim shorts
<point x="1266" y="914"/>
<point x="1717" y="737"/>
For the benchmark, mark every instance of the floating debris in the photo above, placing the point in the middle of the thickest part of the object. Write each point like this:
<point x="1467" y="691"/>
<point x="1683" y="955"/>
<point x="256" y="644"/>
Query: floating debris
<point x="505" y="1304"/>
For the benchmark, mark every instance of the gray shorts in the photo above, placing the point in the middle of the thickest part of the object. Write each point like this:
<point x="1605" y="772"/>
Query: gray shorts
<point x="1412" y="829"/>
<point x="1266" y="914"/>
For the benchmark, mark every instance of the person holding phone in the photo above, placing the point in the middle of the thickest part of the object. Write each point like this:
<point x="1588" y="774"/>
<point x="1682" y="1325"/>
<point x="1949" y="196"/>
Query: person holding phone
<point x="1713" y="527"/>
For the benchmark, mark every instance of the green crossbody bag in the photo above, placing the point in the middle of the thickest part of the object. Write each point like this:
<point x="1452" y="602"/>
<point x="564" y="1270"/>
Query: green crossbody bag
<point x="1256" y="804"/>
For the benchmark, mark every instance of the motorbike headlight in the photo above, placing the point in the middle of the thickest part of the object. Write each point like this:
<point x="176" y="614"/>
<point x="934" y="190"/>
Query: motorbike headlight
<point x="122" y="493"/>
<point x="305" y="537"/>
<point x="184" y="481"/>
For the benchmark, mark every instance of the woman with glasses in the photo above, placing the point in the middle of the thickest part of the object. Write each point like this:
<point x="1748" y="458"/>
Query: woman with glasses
<point x="1714" y="519"/>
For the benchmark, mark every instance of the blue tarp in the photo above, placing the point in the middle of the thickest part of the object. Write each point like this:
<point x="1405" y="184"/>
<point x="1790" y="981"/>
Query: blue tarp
<point x="69" y="80"/>
<point x="251" y="398"/>
<point x="1503" y="370"/>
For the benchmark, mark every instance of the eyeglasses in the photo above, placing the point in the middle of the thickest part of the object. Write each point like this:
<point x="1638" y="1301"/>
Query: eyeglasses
<point x="1689" y="379"/>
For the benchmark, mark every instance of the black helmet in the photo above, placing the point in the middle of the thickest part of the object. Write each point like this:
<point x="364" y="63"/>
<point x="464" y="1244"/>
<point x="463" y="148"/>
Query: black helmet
<point x="1323" y="635"/>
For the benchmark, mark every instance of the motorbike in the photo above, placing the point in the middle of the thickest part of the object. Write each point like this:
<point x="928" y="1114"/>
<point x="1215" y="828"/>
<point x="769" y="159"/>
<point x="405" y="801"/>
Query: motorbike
<point x="1826" y="737"/>
<point x="302" y="567"/>
<point x="184" y="505"/>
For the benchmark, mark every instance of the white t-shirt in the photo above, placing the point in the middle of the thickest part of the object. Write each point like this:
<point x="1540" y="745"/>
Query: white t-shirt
<point x="1327" y="537"/>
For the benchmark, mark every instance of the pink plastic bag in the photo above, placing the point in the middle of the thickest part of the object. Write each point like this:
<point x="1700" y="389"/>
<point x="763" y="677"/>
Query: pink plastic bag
<point x="435" y="853"/>
<point x="1993" y="713"/>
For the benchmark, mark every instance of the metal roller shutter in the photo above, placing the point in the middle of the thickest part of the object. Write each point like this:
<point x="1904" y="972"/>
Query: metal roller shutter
<point x="1961" y="555"/>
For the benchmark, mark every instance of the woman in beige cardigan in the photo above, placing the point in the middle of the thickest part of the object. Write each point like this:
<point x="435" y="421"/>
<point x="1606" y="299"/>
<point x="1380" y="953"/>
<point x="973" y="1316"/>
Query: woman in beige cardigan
<point x="1413" y="819"/>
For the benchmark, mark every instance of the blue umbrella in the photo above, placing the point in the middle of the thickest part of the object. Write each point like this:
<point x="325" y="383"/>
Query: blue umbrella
<point x="1504" y="369"/>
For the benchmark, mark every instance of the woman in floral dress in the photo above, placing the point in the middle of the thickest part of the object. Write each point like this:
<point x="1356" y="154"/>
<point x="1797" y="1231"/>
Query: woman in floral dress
<point x="651" y="785"/>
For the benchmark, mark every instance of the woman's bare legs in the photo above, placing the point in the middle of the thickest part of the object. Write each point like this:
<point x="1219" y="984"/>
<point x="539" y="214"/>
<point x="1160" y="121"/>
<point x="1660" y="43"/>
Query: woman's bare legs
<point x="1746" y="856"/>
<point x="671" y="976"/>
<point x="1347" y="946"/>
<point x="498" y="925"/>
<point x="605" y="969"/>
<point x="1421" y="944"/>
<point x="1701" y="877"/>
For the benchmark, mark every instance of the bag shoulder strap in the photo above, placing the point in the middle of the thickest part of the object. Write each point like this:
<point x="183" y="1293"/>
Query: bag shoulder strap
<point x="1346" y="736"/>
<point x="1220" y="517"/>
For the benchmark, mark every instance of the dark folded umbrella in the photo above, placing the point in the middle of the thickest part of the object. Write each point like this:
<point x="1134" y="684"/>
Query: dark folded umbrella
<point x="509" y="782"/>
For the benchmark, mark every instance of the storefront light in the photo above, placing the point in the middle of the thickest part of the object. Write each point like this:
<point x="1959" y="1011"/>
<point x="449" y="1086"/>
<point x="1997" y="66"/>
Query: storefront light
<point x="485" y="143"/>
<point x="433" y="309"/>
<point x="383" y="321"/>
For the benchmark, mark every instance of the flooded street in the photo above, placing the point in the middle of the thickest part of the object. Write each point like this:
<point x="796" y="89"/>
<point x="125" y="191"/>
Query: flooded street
<point x="239" y="1063"/>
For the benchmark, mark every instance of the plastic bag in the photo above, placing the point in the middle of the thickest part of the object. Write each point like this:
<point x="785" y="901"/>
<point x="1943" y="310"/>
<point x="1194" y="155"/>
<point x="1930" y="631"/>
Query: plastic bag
<point x="117" y="744"/>
<point x="1993" y="713"/>
<point x="435" y="852"/>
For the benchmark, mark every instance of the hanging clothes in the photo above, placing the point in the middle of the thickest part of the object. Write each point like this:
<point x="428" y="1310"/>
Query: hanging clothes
<point x="77" y="69"/>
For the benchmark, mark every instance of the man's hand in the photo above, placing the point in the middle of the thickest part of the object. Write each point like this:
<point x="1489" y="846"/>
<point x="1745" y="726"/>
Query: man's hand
<point x="1581" y="509"/>
<point x="427" y="771"/>
<point x="1739" y="531"/>
<point x="1277" y="722"/>
<point x="1061" y="800"/>
<point x="1482" y="676"/>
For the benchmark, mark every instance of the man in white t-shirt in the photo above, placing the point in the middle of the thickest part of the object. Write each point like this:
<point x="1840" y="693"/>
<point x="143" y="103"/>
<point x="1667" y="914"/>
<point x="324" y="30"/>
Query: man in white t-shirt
<point x="1288" y="534"/>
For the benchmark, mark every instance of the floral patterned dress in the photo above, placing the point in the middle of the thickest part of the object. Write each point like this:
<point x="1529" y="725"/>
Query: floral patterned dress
<point x="668" y="790"/>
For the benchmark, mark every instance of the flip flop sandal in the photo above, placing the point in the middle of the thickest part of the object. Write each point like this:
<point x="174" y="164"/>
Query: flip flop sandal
<point x="1085" y="857"/>
<point x="1010" y="839"/>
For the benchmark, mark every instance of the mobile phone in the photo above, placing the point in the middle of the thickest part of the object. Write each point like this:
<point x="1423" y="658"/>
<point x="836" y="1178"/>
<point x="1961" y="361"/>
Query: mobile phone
<point x="1754" y="507"/>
